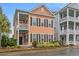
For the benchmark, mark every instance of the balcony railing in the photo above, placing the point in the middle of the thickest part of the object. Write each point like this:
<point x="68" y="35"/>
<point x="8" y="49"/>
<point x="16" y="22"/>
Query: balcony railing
<point x="23" y="26"/>
<point x="70" y="18"/>
<point x="77" y="31"/>
<point x="69" y="31"/>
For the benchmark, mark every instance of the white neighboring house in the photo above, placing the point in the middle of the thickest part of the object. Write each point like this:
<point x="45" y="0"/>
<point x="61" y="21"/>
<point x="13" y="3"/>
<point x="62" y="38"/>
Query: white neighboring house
<point x="68" y="24"/>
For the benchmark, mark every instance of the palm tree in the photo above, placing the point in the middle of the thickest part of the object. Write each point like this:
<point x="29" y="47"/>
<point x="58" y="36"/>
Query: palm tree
<point x="4" y="24"/>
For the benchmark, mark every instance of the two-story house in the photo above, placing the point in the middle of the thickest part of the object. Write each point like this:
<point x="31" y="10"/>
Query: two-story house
<point x="36" y="25"/>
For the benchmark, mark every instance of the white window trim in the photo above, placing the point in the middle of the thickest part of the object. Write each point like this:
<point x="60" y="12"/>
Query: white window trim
<point x="33" y="17"/>
<point x="32" y="36"/>
<point x="42" y="21"/>
<point x="49" y="21"/>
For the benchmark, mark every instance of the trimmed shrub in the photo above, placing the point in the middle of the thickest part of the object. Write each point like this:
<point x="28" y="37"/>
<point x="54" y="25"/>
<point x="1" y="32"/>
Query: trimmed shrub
<point x="54" y="43"/>
<point x="34" y="44"/>
<point x="18" y="46"/>
<point x="12" y="42"/>
<point x="51" y="45"/>
<point x="45" y="44"/>
<point x="40" y="45"/>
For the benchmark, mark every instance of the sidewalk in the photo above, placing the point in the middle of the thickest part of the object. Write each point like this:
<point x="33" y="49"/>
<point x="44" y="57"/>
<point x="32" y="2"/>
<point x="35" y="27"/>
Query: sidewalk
<point x="4" y="50"/>
<point x="29" y="51"/>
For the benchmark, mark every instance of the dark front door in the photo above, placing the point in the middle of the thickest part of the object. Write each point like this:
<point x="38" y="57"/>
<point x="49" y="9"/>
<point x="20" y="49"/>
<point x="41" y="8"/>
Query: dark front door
<point x="20" y="40"/>
<point x="62" y="41"/>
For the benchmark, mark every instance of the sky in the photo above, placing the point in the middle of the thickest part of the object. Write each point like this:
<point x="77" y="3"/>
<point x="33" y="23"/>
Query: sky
<point x="9" y="8"/>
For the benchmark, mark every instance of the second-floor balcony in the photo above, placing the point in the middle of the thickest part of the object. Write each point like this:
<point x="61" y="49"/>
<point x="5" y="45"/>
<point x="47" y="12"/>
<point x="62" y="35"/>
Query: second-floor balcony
<point x="70" y="19"/>
<point x="22" y="27"/>
<point x="67" y="31"/>
<point x="71" y="31"/>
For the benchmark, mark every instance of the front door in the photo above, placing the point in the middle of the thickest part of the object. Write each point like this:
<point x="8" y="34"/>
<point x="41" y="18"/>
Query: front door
<point x="62" y="41"/>
<point x="20" y="40"/>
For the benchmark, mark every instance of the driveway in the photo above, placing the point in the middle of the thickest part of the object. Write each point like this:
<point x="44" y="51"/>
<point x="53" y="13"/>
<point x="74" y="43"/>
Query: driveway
<point x="68" y="51"/>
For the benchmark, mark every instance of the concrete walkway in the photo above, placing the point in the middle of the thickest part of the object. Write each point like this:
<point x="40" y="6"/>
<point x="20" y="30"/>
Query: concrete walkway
<point x="47" y="52"/>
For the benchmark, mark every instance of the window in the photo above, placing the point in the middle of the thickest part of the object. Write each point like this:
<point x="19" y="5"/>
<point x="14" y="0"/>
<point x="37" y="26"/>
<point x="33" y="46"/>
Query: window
<point x="34" y="37"/>
<point x="52" y="37"/>
<point x="42" y="22"/>
<point x="49" y="37"/>
<point x="49" y="23"/>
<point x="34" y="22"/>
<point x="77" y="37"/>
<point x="42" y="38"/>
<point x="46" y="22"/>
<point x="70" y="37"/>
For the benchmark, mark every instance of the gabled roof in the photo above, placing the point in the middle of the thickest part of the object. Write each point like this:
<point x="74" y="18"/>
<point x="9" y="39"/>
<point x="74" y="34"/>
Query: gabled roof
<point x="43" y="5"/>
<point x="71" y="5"/>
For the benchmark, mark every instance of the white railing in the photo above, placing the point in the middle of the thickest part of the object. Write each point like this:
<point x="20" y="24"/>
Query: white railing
<point x="65" y="31"/>
<point x="71" y="18"/>
<point x="23" y="26"/>
<point x="65" y="18"/>
<point x="71" y="30"/>
<point x="77" y="31"/>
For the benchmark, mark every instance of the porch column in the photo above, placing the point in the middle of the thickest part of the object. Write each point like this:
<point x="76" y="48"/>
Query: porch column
<point x="74" y="28"/>
<point x="58" y="27"/>
<point x="29" y="30"/>
<point x="67" y="34"/>
<point x="18" y="29"/>
<point x="54" y="29"/>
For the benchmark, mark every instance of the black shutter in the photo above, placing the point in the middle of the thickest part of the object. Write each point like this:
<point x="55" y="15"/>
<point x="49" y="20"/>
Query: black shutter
<point x="44" y="22"/>
<point x="39" y="21"/>
<point x="31" y="21"/>
<point x="47" y="22"/>
<point x="52" y="23"/>
<point x="30" y="37"/>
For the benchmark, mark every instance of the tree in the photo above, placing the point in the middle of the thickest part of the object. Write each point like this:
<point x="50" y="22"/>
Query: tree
<point x="4" y="24"/>
<point x="6" y="41"/>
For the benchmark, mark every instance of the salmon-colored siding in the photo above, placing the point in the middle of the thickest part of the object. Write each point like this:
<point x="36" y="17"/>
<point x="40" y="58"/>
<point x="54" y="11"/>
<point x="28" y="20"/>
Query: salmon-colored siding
<point x="40" y="30"/>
